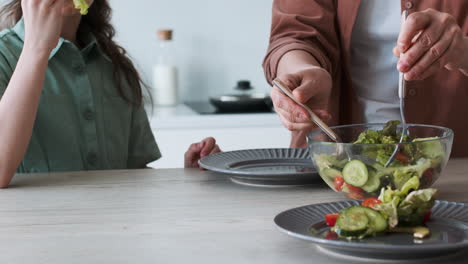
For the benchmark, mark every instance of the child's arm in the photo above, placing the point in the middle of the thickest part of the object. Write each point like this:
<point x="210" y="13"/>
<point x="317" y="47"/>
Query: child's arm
<point x="18" y="106"/>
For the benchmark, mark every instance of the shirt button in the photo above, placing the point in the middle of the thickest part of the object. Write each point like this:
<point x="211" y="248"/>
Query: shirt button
<point x="409" y="5"/>
<point x="78" y="68"/>
<point x="92" y="158"/>
<point x="88" y="114"/>
<point x="412" y="92"/>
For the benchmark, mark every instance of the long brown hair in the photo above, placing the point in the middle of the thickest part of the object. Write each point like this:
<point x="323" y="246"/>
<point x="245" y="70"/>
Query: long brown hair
<point x="127" y="78"/>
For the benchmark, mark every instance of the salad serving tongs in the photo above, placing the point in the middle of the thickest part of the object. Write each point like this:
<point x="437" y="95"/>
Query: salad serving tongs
<point x="401" y="95"/>
<point x="313" y="117"/>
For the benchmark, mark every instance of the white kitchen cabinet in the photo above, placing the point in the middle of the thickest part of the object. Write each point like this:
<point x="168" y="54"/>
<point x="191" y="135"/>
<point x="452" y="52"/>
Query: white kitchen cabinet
<point x="175" y="128"/>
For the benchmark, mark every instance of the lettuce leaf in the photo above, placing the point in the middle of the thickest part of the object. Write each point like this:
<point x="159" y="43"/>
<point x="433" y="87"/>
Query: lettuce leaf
<point x="414" y="207"/>
<point x="411" y="184"/>
<point x="389" y="210"/>
<point x="82" y="5"/>
<point x="406" y="205"/>
<point x="418" y="202"/>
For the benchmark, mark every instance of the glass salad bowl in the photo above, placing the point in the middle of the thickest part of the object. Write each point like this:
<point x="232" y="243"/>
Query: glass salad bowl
<point x="356" y="167"/>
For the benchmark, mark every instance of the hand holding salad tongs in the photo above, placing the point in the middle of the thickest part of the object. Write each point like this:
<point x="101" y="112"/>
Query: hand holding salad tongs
<point x="401" y="95"/>
<point x="314" y="118"/>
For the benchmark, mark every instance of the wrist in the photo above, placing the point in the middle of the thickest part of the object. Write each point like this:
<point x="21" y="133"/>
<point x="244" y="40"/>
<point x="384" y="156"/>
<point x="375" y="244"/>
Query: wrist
<point x="298" y="139"/>
<point x="34" y="52"/>
<point x="296" y="61"/>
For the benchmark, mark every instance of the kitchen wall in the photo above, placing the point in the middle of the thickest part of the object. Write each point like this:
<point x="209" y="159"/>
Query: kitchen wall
<point x="218" y="41"/>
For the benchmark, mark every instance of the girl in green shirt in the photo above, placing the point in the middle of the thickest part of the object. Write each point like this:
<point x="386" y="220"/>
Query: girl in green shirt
<point x="70" y="97"/>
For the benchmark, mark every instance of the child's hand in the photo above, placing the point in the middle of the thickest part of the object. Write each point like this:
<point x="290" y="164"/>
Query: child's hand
<point x="43" y="24"/>
<point x="199" y="150"/>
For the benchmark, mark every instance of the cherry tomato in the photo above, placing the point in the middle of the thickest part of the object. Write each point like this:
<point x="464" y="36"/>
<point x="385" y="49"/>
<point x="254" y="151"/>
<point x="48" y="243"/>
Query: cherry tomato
<point x="427" y="217"/>
<point x="339" y="181"/>
<point x="371" y="202"/>
<point x="331" y="235"/>
<point x="427" y="177"/>
<point x="355" y="193"/>
<point x="402" y="158"/>
<point x="331" y="219"/>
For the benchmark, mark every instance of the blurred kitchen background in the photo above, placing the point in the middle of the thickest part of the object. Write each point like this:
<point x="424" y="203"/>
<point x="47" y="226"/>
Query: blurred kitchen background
<point x="217" y="42"/>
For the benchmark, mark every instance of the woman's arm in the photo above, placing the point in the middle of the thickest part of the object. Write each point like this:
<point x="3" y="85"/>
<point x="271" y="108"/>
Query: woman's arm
<point x="18" y="106"/>
<point x="303" y="53"/>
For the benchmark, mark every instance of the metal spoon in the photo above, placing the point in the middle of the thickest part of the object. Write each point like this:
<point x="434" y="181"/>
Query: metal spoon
<point x="401" y="95"/>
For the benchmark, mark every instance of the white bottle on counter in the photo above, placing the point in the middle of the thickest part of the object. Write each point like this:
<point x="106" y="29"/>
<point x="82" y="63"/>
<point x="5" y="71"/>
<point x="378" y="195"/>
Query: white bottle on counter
<point x="165" y="72"/>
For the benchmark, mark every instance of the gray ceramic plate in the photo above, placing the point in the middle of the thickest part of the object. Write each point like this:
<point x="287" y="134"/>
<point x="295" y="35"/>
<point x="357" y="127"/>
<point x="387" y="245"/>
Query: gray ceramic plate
<point x="264" y="167"/>
<point x="448" y="225"/>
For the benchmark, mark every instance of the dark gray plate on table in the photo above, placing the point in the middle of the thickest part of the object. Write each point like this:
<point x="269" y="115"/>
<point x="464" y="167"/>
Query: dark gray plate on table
<point x="448" y="225"/>
<point x="264" y="167"/>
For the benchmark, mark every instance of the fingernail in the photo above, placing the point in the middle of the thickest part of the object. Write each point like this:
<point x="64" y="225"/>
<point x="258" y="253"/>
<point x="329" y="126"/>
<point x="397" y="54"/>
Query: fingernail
<point x="402" y="46"/>
<point x="410" y="76"/>
<point x="403" y="66"/>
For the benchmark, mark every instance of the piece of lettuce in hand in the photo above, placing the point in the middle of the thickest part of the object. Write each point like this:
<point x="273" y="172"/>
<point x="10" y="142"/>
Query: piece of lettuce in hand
<point x="82" y="5"/>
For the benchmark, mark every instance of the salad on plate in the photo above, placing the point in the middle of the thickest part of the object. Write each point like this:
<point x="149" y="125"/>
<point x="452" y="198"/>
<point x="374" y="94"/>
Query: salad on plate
<point x="395" y="210"/>
<point x="397" y="200"/>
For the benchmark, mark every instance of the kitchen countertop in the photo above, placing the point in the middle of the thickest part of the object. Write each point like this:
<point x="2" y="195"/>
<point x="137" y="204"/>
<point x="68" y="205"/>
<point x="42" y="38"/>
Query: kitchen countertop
<point x="182" y="116"/>
<point x="164" y="216"/>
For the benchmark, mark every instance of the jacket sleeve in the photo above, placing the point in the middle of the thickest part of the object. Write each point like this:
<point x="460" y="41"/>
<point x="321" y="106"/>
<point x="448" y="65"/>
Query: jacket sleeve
<point x="308" y="25"/>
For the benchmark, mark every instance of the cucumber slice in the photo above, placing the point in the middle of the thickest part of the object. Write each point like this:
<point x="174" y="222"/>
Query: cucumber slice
<point x="355" y="173"/>
<point x="352" y="222"/>
<point x="331" y="173"/>
<point x="373" y="183"/>
<point x="377" y="222"/>
<point x="359" y="221"/>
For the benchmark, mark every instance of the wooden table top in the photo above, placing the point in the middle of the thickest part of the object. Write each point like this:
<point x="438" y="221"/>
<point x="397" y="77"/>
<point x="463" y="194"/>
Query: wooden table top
<point x="164" y="216"/>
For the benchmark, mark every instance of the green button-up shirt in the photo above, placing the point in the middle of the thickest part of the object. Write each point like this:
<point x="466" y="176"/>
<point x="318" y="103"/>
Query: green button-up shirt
<point x="82" y="123"/>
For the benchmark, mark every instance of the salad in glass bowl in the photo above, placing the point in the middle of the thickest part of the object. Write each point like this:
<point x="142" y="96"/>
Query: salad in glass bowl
<point x="397" y="197"/>
<point x="359" y="172"/>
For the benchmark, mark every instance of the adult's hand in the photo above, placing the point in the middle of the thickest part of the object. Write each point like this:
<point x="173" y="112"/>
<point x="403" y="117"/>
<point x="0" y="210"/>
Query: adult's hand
<point x="310" y="86"/>
<point x="199" y="150"/>
<point x="428" y="41"/>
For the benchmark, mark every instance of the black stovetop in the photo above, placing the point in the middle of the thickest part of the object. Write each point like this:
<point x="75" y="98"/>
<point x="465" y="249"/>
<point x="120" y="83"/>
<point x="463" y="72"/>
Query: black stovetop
<point x="206" y="108"/>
